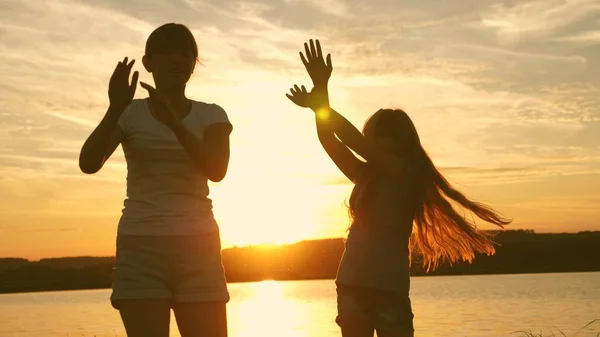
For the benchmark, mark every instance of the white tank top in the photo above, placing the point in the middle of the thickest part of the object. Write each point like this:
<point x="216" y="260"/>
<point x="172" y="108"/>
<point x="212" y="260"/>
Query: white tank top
<point x="166" y="193"/>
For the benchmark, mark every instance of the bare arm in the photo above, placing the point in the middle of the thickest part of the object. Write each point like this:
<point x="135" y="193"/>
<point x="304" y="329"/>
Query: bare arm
<point x="343" y="158"/>
<point x="105" y="138"/>
<point x="320" y="69"/>
<point x="211" y="154"/>
<point x="102" y="143"/>
<point x="351" y="137"/>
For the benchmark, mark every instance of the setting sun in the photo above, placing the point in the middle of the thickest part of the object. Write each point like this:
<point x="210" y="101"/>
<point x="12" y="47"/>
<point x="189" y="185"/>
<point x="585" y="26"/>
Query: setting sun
<point x="283" y="213"/>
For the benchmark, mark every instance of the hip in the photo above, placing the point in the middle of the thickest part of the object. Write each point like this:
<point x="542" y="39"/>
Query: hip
<point x="171" y="245"/>
<point x="181" y="268"/>
<point x="169" y="256"/>
<point x="166" y="225"/>
<point x="388" y="272"/>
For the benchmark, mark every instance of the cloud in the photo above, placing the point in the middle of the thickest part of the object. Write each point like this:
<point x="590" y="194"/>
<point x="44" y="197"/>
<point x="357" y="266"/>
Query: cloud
<point x="590" y="37"/>
<point x="334" y="7"/>
<point x="537" y="19"/>
<point x="74" y="119"/>
<point x="502" y="94"/>
<point x="589" y="135"/>
<point x="243" y="41"/>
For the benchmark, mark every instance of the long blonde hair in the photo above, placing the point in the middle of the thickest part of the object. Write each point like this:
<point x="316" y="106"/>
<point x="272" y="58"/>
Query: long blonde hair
<point x="440" y="234"/>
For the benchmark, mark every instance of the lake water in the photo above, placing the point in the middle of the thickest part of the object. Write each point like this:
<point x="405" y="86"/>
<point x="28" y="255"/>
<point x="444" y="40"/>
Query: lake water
<point x="494" y="305"/>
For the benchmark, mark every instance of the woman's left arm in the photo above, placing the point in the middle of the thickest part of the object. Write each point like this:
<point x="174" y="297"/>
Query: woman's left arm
<point x="354" y="139"/>
<point x="210" y="154"/>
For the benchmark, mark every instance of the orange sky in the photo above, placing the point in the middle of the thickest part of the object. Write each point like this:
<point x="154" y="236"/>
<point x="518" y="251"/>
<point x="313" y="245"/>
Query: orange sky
<point x="505" y="99"/>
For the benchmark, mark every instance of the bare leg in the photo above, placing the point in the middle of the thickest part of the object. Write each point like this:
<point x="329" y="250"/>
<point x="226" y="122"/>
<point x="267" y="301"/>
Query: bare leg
<point x="201" y="319"/>
<point x="394" y="334"/>
<point x="146" y="318"/>
<point x="352" y="318"/>
<point x="357" y="329"/>
<point x="355" y="326"/>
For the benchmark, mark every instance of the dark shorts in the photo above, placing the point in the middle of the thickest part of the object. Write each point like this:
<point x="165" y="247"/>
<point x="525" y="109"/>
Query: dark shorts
<point x="176" y="268"/>
<point x="382" y="310"/>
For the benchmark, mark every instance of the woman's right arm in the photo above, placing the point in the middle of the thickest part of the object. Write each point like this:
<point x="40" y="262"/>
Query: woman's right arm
<point x="102" y="143"/>
<point x="339" y="153"/>
<point x="343" y="158"/>
<point x="319" y="72"/>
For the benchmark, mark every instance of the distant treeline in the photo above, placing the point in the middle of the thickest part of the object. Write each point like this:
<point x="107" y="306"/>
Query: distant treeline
<point x="520" y="251"/>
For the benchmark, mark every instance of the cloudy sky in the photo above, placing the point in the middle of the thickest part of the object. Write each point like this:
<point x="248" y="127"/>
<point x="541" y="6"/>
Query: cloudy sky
<point x="505" y="97"/>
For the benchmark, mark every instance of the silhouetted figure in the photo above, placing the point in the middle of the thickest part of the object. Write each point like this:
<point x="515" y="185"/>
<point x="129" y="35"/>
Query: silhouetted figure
<point x="397" y="190"/>
<point x="168" y="246"/>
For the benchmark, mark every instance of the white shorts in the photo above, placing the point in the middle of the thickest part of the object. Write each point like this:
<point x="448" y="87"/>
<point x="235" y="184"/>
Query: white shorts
<point x="178" y="268"/>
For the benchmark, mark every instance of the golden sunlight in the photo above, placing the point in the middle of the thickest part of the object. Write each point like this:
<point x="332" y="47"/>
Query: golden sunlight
<point x="274" y="316"/>
<point x="285" y="213"/>
<point x="323" y="114"/>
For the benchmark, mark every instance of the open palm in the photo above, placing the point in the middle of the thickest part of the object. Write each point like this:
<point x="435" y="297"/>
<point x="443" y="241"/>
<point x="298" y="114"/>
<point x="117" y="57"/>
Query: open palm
<point x="299" y="96"/>
<point x="161" y="106"/>
<point x="316" y="99"/>
<point x="120" y="90"/>
<point x="318" y="68"/>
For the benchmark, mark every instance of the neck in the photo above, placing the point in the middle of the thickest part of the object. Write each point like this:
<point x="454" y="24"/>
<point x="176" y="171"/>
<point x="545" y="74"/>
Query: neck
<point x="175" y="94"/>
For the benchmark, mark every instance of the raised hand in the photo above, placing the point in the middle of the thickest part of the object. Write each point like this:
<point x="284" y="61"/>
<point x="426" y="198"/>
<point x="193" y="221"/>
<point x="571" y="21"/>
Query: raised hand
<point x="318" y="69"/>
<point x="120" y="91"/>
<point x="299" y="96"/>
<point x="162" y="107"/>
<point x="316" y="99"/>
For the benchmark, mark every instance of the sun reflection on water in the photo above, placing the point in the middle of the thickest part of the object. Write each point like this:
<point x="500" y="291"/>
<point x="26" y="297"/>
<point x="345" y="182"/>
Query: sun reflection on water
<point x="271" y="313"/>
